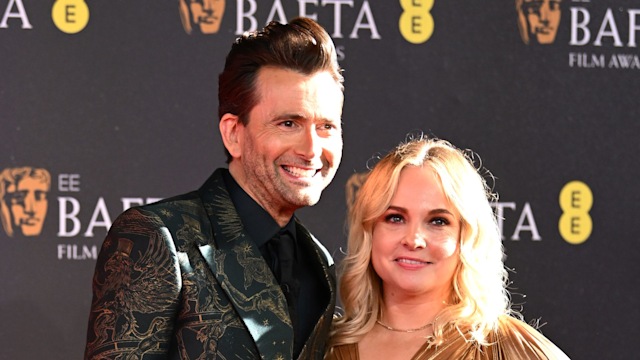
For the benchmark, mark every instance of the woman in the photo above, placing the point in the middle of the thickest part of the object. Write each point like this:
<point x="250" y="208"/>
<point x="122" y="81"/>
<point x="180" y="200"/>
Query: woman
<point x="423" y="277"/>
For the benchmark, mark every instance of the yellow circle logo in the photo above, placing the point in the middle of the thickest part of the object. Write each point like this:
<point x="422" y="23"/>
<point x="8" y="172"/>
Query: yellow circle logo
<point x="576" y="200"/>
<point x="416" y="23"/>
<point x="70" y="16"/>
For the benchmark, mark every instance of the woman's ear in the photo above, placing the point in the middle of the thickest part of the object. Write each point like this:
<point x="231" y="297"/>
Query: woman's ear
<point x="231" y="131"/>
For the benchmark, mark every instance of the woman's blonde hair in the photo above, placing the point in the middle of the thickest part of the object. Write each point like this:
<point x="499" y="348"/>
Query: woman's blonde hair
<point x="479" y="293"/>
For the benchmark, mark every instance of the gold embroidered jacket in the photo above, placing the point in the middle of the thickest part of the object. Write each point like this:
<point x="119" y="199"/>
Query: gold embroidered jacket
<point x="181" y="279"/>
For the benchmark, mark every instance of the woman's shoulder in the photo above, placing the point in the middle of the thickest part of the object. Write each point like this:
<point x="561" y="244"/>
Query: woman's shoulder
<point x="514" y="336"/>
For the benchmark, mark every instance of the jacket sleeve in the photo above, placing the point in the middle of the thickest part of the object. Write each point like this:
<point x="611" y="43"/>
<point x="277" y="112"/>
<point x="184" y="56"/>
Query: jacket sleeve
<point x="136" y="290"/>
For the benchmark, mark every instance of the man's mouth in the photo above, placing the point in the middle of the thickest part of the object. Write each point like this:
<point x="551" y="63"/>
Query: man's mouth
<point x="300" y="172"/>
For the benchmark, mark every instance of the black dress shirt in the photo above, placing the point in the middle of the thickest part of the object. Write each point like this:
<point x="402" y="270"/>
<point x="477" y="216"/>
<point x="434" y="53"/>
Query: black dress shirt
<point x="261" y="227"/>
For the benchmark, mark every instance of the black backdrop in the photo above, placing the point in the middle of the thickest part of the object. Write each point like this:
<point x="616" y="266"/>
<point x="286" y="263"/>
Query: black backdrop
<point x="125" y="108"/>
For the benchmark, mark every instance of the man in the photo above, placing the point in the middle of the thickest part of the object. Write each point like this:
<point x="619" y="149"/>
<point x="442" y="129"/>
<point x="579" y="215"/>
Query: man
<point x="196" y="276"/>
<point x="538" y="20"/>
<point x="23" y="192"/>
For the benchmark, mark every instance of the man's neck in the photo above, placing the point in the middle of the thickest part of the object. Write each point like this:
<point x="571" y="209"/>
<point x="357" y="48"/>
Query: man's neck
<point x="280" y="216"/>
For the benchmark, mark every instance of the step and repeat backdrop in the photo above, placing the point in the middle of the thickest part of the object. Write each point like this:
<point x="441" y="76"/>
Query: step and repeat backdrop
<point x="106" y="105"/>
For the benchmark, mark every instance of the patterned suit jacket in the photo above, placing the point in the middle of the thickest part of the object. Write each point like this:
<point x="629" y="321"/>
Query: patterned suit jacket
<point x="181" y="279"/>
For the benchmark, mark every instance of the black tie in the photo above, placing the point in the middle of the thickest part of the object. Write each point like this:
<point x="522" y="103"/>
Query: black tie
<point x="284" y="249"/>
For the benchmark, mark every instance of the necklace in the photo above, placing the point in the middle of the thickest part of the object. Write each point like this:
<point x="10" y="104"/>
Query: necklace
<point x="402" y="330"/>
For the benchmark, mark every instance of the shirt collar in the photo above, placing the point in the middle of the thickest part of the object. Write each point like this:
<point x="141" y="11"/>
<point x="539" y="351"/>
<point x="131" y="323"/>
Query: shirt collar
<point x="257" y="222"/>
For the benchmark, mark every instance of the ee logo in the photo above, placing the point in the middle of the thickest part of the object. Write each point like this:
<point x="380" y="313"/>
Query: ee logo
<point x="70" y="16"/>
<point x="416" y="23"/>
<point x="575" y="224"/>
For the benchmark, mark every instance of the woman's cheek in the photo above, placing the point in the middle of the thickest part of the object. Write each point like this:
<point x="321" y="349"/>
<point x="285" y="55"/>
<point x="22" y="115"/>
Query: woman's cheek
<point x="444" y="249"/>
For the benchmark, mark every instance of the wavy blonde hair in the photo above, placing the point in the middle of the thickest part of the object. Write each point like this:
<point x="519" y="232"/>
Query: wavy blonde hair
<point x="479" y="293"/>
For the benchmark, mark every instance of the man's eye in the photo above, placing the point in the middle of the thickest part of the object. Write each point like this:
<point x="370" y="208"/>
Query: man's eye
<point x="287" y="123"/>
<point x="327" y="127"/>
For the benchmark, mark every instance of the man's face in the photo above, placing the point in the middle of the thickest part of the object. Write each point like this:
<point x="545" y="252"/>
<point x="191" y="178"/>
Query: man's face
<point x="27" y="201"/>
<point x="207" y="14"/>
<point x="543" y="19"/>
<point x="291" y="147"/>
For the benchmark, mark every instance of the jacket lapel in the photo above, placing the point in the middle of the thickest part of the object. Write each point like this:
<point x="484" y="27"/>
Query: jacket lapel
<point x="323" y="262"/>
<point x="243" y="274"/>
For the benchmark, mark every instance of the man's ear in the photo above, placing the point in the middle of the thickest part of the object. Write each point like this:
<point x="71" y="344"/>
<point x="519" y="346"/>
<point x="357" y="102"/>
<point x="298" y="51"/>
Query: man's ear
<point x="231" y="131"/>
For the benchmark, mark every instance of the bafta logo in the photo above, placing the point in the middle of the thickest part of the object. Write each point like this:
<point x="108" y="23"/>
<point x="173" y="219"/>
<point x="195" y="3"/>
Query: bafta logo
<point x="23" y="200"/>
<point x="538" y="20"/>
<point x="352" y="187"/>
<point x="204" y="16"/>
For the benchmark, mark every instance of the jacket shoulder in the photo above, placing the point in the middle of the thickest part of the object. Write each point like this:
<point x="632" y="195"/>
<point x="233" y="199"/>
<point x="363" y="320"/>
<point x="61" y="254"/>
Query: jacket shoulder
<point x="183" y="217"/>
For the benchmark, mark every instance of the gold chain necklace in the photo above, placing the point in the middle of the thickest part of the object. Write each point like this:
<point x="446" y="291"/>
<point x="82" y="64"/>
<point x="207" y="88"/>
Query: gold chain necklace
<point x="402" y="330"/>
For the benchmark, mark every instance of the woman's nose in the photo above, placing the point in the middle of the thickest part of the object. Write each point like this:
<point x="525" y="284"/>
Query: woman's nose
<point x="415" y="240"/>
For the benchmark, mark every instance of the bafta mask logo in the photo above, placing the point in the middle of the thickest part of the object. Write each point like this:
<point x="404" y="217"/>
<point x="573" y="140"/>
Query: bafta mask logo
<point x="538" y="20"/>
<point x="23" y="200"/>
<point x="203" y="16"/>
<point x="351" y="188"/>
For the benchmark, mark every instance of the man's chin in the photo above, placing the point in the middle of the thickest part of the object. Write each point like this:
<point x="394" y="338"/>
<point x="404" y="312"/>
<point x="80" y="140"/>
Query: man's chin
<point x="307" y="198"/>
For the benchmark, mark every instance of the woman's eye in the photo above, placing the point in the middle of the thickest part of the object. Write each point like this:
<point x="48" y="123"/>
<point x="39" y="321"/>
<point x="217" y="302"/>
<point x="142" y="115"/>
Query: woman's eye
<point x="393" y="218"/>
<point x="440" y="221"/>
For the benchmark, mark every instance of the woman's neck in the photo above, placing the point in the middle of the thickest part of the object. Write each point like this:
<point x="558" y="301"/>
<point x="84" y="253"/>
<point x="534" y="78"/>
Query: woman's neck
<point x="409" y="312"/>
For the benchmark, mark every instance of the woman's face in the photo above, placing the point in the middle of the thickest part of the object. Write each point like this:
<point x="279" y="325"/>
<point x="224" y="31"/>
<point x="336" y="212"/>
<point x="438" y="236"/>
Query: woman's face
<point x="415" y="241"/>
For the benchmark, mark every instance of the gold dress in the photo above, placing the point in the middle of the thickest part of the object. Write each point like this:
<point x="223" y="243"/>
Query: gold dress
<point x="513" y="340"/>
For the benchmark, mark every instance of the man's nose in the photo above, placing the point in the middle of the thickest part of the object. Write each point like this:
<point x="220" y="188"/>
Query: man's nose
<point x="309" y="146"/>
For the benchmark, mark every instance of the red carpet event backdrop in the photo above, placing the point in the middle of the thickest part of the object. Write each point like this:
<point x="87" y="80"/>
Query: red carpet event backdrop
<point x="110" y="104"/>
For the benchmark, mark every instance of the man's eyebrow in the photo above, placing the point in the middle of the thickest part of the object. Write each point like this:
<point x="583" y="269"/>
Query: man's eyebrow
<point x="296" y="116"/>
<point x="291" y="116"/>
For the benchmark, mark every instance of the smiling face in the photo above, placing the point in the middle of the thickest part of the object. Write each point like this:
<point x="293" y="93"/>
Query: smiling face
<point x="415" y="242"/>
<point x="291" y="146"/>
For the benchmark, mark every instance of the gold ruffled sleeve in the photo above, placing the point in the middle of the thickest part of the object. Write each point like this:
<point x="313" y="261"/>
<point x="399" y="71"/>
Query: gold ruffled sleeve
<point x="513" y="340"/>
<point x="343" y="352"/>
<point x="517" y="340"/>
